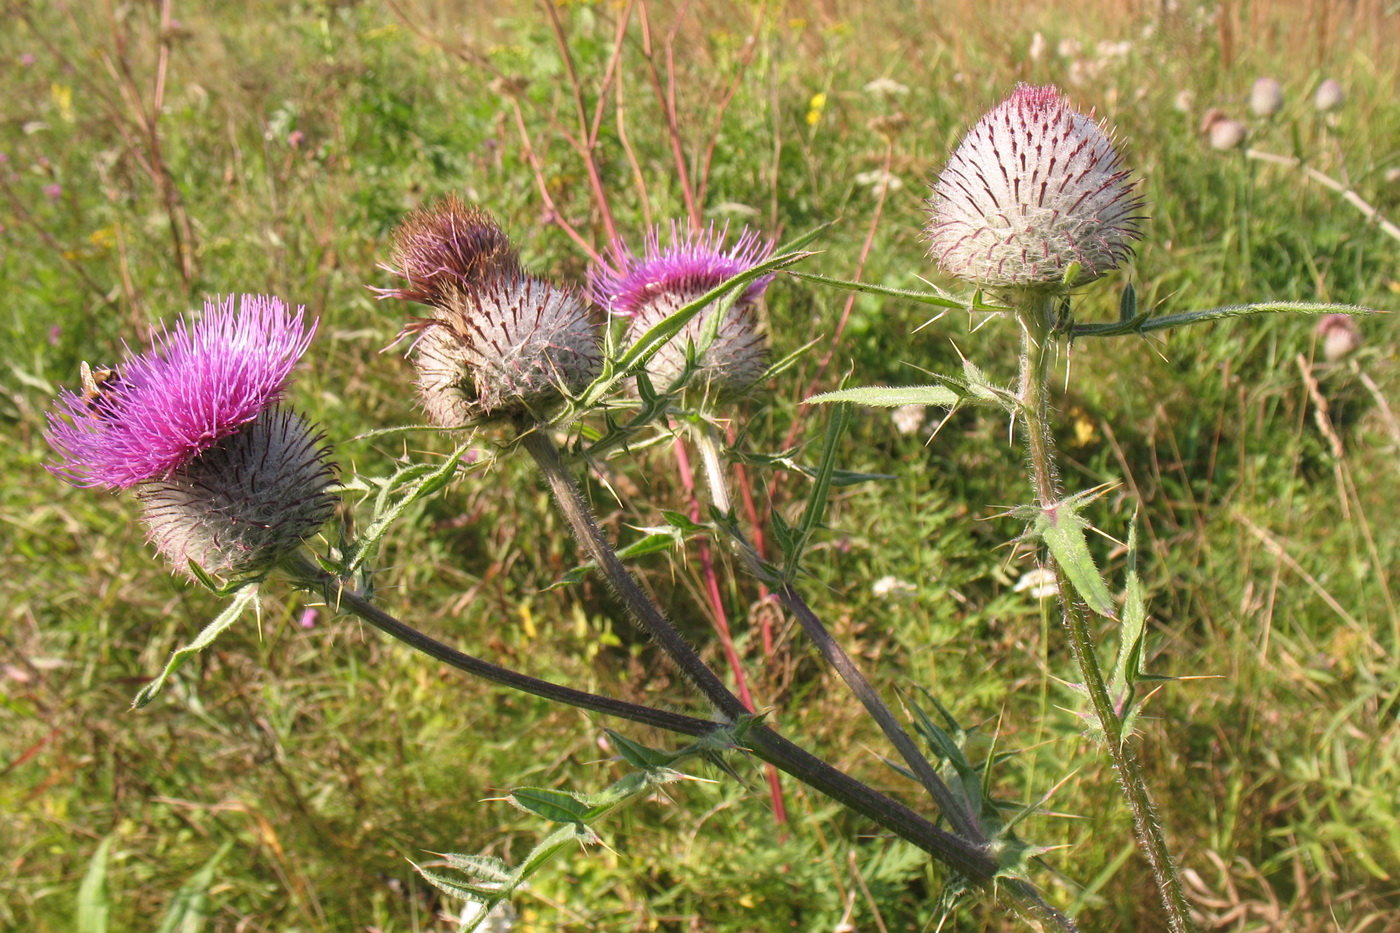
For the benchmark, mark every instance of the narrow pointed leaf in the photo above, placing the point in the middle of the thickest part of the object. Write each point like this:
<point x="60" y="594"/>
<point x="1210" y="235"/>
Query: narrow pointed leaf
<point x="248" y="596"/>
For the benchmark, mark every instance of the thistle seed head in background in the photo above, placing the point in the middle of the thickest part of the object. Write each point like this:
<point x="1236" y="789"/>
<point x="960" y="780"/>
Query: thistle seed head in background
<point x="515" y="345"/>
<point x="1330" y="96"/>
<point x="1266" y="97"/>
<point x="1227" y="134"/>
<point x="192" y="388"/>
<point x="1340" y="335"/>
<point x="244" y="502"/>
<point x="447" y="248"/>
<point x="663" y="279"/>
<point x="1034" y="187"/>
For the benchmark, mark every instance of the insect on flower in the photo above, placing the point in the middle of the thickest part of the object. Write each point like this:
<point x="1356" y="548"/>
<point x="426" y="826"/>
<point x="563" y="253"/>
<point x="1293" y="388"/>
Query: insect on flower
<point x="100" y="387"/>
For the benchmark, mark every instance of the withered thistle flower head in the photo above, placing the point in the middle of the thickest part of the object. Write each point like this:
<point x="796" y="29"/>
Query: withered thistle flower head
<point x="513" y="346"/>
<point x="244" y="502"/>
<point x="194" y="386"/>
<point x="1034" y="187"/>
<point x="663" y="279"/>
<point x="446" y="248"/>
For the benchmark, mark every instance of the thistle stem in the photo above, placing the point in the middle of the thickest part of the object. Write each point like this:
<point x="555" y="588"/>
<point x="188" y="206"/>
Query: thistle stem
<point x="309" y="576"/>
<point x="959" y="816"/>
<point x="972" y="860"/>
<point x="1037" y="314"/>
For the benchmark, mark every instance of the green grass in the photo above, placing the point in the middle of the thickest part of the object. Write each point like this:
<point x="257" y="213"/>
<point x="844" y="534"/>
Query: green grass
<point x="327" y="756"/>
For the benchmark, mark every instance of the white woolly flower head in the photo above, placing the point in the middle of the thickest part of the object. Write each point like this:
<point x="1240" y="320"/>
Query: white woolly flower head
<point x="1033" y="188"/>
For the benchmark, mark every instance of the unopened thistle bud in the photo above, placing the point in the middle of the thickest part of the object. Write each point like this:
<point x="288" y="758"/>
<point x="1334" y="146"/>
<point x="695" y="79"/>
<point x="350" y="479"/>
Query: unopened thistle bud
<point x="651" y="287"/>
<point x="446" y="248"/>
<point x="246" y="501"/>
<point x="226" y="480"/>
<point x="511" y="347"/>
<point x="1266" y="97"/>
<point x="1033" y="189"/>
<point x="1340" y="336"/>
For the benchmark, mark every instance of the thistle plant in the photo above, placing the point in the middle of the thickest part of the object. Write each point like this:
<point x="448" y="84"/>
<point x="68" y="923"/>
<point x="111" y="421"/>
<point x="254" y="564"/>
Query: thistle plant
<point x="1033" y="206"/>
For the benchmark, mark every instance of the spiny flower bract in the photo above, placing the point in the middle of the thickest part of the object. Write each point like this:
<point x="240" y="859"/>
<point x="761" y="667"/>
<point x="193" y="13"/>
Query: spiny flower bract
<point x="244" y="502"/>
<point x="514" y="345"/>
<point x="663" y="279"/>
<point x="194" y="386"/>
<point x="1033" y="188"/>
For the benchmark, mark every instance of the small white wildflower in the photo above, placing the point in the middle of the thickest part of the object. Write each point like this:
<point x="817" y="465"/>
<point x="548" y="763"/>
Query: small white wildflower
<point x="1038" y="46"/>
<point x="908" y="418"/>
<point x="1068" y="48"/>
<point x="876" y="177"/>
<point x="893" y="588"/>
<point x="1184" y="100"/>
<point x="1040" y="583"/>
<point x="886" y="87"/>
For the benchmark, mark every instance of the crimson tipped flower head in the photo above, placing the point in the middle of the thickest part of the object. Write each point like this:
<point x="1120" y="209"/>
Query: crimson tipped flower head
<point x="226" y="480"/>
<point x="446" y="248"/>
<point x="651" y="287"/>
<point x="1034" y="188"/>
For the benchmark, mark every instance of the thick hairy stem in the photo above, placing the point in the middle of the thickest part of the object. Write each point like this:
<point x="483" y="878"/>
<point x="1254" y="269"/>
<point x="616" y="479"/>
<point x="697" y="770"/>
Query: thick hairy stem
<point x="311" y="577"/>
<point x="1037" y="316"/>
<point x="972" y="860"/>
<point x="962" y="820"/>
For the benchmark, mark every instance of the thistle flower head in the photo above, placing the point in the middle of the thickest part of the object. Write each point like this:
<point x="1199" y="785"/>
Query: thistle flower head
<point x="692" y="264"/>
<point x="1329" y="96"/>
<point x="446" y="248"/>
<point x="653" y="286"/>
<point x="193" y="387"/>
<point x="1266" y="97"/>
<point x="242" y="503"/>
<point x="514" y="345"/>
<point x="1033" y="188"/>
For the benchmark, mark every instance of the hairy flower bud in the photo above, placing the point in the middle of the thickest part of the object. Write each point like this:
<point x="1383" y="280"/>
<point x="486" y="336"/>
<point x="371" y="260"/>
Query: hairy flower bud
<point x="651" y="287"/>
<point x="244" y="502"/>
<point x="1033" y="188"/>
<point x="514" y="345"/>
<point x="446" y="248"/>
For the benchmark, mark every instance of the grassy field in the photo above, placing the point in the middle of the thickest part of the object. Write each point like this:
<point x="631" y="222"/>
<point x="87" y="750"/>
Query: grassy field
<point x="284" y="780"/>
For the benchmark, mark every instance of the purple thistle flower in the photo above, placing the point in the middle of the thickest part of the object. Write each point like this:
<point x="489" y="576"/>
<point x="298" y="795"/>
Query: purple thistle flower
<point x="1034" y="187"/>
<point x="651" y="287"/>
<point x="193" y="387"/>
<point x="690" y="266"/>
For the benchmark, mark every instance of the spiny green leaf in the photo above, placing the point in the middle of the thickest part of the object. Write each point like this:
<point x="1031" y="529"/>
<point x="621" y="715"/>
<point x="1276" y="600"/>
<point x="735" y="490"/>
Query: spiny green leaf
<point x="1061" y="527"/>
<point x="486" y="867"/>
<point x="890" y="396"/>
<point x="1143" y="324"/>
<point x="248" y="596"/>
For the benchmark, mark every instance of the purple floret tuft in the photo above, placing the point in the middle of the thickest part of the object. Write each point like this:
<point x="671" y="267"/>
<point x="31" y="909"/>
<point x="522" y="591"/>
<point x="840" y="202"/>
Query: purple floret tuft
<point x="691" y="265"/>
<point x="194" y="386"/>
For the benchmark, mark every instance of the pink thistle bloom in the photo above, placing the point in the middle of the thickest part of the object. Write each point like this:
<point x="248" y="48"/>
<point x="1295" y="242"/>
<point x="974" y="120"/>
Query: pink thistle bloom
<point x="655" y="285"/>
<point x="1033" y="188"/>
<point x="192" y="388"/>
<point x="693" y="264"/>
<point x="53" y="192"/>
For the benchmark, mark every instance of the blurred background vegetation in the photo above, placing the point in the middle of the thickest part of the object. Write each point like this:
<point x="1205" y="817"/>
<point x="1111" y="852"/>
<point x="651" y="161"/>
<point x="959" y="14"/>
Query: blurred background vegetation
<point x="156" y="154"/>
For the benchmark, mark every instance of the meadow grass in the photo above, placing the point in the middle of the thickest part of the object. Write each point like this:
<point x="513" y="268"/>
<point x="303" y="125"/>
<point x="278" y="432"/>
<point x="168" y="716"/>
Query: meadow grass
<point x="292" y="140"/>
